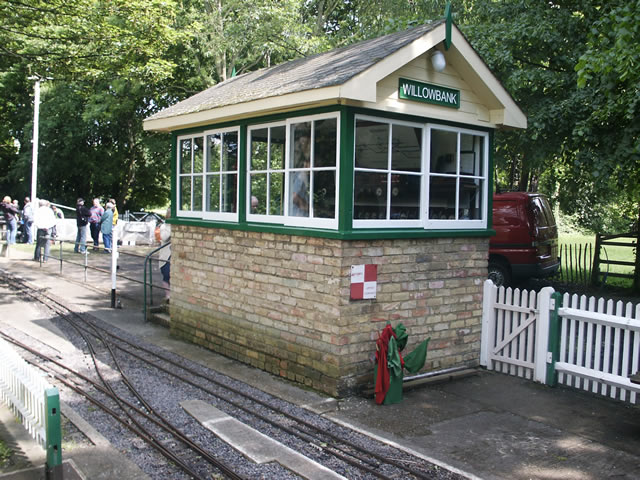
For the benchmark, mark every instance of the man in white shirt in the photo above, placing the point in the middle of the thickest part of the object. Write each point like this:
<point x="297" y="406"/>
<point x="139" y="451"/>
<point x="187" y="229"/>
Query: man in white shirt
<point x="44" y="220"/>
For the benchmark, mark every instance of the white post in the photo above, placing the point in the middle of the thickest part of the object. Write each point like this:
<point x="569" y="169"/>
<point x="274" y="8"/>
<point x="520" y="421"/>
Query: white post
<point x="488" y="320"/>
<point x="34" y="157"/>
<point x="542" y="334"/>
<point x="114" y="265"/>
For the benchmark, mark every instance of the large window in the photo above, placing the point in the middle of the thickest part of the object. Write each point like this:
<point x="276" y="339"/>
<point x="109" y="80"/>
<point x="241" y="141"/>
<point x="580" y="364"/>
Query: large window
<point x="457" y="178"/>
<point x="388" y="173"/>
<point x="208" y="175"/>
<point x="417" y="175"/>
<point x="293" y="172"/>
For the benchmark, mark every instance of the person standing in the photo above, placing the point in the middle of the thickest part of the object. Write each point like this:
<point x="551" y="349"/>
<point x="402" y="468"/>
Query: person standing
<point x="44" y="220"/>
<point x="106" y="227"/>
<point x="11" y="216"/>
<point x="94" y="222"/>
<point x="164" y="256"/>
<point x="57" y="213"/>
<point x="27" y="220"/>
<point x="82" y="219"/>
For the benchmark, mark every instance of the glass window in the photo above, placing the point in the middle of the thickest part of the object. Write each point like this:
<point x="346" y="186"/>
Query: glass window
<point x="399" y="182"/>
<point x="293" y="172"/>
<point x="266" y="171"/>
<point x="208" y="178"/>
<point x="388" y="173"/>
<point x="190" y="157"/>
<point x="457" y="178"/>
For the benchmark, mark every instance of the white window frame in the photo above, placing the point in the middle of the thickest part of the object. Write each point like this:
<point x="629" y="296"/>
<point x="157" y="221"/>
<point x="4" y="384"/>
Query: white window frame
<point x="191" y="175"/>
<point x="425" y="172"/>
<point x="203" y="214"/>
<point x="388" y="222"/>
<point x="265" y="218"/>
<point x="456" y="224"/>
<point x="286" y="219"/>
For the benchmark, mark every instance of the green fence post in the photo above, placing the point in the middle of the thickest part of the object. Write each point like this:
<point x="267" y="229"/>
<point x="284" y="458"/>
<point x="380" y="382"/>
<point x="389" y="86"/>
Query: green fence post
<point x="54" y="435"/>
<point x="554" y="339"/>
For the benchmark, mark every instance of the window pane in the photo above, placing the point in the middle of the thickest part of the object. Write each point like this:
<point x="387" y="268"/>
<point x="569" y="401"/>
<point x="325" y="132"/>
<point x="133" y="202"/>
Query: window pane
<point x="197" y="193"/>
<point x="185" y="193"/>
<point x="444" y="148"/>
<point x="301" y="147"/>
<point x="405" y="197"/>
<point x="259" y="149"/>
<point x="213" y="193"/>
<point x="299" y="194"/>
<point x="213" y="154"/>
<point x="372" y="144"/>
<point x="259" y="193"/>
<point x="197" y="155"/>
<point x="370" y="196"/>
<point x="406" y="145"/>
<point x="324" y="194"/>
<point x="442" y="198"/>
<point x="185" y="156"/>
<point x="277" y="148"/>
<point x="230" y="152"/>
<point x="229" y="190"/>
<point x="471" y="152"/>
<point x="324" y="148"/>
<point x="276" y="193"/>
<point x="470" y="204"/>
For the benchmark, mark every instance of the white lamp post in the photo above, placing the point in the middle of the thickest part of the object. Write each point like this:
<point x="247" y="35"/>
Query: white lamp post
<point x="34" y="155"/>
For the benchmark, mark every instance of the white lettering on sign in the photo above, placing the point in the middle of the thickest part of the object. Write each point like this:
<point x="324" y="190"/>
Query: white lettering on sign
<point x="414" y="90"/>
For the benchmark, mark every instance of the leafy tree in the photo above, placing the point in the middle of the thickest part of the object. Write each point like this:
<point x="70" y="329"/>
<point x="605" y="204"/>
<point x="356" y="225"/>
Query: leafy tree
<point x="610" y="134"/>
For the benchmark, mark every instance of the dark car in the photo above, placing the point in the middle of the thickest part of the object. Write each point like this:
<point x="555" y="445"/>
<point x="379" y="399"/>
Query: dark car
<point x="526" y="240"/>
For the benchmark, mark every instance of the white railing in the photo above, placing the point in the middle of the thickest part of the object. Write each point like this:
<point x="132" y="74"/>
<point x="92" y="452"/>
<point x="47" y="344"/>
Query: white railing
<point x="23" y="388"/>
<point x="599" y="346"/>
<point x="581" y="342"/>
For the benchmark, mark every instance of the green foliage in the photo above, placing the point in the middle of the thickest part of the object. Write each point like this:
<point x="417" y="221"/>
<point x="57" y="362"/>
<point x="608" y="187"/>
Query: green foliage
<point x="570" y="65"/>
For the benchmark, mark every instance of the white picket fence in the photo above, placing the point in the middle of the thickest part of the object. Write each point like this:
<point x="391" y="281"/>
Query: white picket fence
<point x="595" y="344"/>
<point x="22" y="388"/>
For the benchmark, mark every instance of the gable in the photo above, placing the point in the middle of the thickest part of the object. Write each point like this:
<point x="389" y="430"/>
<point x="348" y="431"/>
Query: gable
<point x="363" y="74"/>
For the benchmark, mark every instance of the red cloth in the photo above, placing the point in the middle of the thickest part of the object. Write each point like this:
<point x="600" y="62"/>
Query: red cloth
<point x="382" y="378"/>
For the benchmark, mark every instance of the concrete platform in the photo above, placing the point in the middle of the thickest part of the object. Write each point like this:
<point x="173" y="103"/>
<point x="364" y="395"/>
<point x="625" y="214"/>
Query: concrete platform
<point x="487" y="425"/>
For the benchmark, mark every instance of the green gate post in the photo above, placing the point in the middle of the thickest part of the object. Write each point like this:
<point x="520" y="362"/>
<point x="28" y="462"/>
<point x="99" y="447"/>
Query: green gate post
<point x="553" y="351"/>
<point x="53" y="468"/>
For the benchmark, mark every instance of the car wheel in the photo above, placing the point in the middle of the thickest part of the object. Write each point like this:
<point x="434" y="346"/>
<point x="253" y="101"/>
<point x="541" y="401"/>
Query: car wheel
<point x="499" y="274"/>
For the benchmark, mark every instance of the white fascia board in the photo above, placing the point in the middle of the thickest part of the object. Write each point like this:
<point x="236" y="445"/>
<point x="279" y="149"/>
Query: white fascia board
<point x="263" y="106"/>
<point x="510" y="115"/>
<point x="363" y="86"/>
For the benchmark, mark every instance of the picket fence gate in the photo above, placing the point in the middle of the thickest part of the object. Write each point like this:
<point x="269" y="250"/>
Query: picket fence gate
<point x="582" y="342"/>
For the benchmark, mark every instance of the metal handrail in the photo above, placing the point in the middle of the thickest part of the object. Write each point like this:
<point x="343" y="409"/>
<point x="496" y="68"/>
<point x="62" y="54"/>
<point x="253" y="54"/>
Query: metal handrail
<point x="144" y="285"/>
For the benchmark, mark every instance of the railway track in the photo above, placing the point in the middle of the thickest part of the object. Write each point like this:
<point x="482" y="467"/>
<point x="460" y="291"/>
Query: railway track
<point x="118" y="384"/>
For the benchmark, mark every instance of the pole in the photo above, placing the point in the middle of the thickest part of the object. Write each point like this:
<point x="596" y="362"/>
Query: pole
<point x="114" y="265"/>
<point x="34" y="155"/>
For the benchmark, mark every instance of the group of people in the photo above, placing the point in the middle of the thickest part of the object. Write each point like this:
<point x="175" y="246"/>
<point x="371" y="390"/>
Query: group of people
<point x="44" y="220"/>
<point x="17" y="219"/>
<point x="100" y="220"/>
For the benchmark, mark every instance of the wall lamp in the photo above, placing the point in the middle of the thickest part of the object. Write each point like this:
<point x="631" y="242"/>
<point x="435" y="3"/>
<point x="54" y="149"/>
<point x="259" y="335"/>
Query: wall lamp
<point x="438" y="61"/>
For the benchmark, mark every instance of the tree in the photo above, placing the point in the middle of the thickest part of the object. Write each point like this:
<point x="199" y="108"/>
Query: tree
<point x="611" y="132"/>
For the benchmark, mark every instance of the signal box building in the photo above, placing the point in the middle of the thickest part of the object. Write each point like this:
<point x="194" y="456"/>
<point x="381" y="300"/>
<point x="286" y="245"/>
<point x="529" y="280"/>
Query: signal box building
<point x="317" y="200"/>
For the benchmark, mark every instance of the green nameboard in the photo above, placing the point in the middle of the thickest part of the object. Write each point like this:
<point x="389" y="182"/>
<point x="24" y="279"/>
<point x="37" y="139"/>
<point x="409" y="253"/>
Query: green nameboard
<point x="428" y="93"/>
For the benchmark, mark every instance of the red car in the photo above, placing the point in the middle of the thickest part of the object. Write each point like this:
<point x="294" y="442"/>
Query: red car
<point x="526" y="240"/>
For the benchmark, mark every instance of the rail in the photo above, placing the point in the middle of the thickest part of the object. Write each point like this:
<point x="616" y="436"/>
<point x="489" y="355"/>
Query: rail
<point x="147" y="266"/>
<point x="119" y="263"/>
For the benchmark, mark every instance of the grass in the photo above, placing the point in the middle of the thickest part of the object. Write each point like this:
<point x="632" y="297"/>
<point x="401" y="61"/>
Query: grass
<point x="5" y="454"/>
<point x="611" y="252"/>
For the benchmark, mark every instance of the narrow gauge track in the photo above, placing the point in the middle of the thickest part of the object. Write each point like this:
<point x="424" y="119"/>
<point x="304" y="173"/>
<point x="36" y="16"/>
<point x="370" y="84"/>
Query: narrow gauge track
<point x="381" y="462"/>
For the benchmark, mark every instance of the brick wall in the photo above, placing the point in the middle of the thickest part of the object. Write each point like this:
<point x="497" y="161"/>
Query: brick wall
<point x="281" y="302"/>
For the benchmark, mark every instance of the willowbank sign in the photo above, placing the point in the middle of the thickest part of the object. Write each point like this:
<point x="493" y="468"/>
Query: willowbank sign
<point x="428" y="93"/>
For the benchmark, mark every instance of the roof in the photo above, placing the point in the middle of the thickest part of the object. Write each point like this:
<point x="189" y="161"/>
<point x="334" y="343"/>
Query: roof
<point x="349" y="74"/>
<point x="318" y="71"/>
